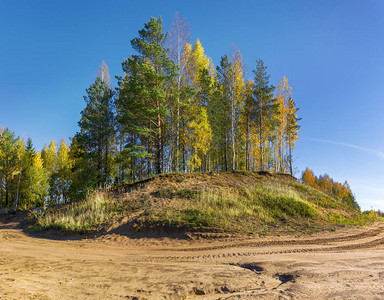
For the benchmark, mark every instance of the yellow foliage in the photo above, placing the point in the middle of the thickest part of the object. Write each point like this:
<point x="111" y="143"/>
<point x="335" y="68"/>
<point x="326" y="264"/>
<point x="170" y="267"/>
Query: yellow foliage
<point x="200" y="137"/>
<point x="38" y="161"/>
<point x="103" y="73"/>
<point x="63" y="160"/>
<point x="50" y="158"/>
<point x="309" y="178"/>
<point x="196" y="61"/>
<point x="238" y="77"/>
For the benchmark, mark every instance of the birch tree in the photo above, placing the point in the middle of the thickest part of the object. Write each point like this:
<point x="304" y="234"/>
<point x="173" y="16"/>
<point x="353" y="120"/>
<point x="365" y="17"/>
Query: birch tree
<point x="178" y="37"/>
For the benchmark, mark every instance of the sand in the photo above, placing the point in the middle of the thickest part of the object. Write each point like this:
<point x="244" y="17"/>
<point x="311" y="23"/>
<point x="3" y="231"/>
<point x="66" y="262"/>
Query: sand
<point x="346" y="264"/>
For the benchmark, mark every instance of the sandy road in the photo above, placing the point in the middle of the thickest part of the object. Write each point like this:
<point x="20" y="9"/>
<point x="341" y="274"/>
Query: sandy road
<point x="347" y="264"/>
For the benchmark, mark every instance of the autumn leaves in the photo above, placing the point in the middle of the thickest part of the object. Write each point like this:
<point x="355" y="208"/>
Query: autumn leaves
<point x="188" y="116"/>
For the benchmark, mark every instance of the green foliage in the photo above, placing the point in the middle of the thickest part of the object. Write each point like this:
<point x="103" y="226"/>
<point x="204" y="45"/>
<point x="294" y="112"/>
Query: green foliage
<point x="316" y="197"/>
<point x="145" y="90"/>
<point x="282" y="201"/>
<point x="11" y="149"/>
<point x="176" y="115"/>
<point x="188" y="194"/>
<point x="27" y="182"/>
<point x="256" y="208"/>
<point x="265" y="110"/>
<point x="92" y="147"/>
<point x="164" y="193"/>
<point x="195" y="218"/>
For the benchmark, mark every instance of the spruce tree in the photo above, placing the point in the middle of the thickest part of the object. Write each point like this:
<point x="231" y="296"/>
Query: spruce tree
<point x="27" y="199"/>
<point x="266" y="110"/>
<point x="92" y="146"/>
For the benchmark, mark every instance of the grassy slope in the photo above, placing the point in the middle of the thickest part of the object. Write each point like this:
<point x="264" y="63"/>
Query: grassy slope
<point x="235" y="202"/>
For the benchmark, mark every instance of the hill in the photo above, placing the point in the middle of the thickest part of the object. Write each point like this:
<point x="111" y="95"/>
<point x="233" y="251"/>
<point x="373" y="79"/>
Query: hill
<point x="235" y="202"/>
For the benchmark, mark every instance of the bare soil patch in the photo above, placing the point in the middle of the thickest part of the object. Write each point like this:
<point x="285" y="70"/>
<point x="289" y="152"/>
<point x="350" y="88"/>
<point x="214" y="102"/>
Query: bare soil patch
<point x="346" y="264"/>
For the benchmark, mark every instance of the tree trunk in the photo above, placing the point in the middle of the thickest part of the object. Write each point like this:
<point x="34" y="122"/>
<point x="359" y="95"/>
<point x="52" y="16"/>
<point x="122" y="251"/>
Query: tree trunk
<point x="233" y="135"/>
<point x="18" y="188"/>
<point x="226" y="153"/>
<point x="6" y="193"/>
<point x="261" y="149"/>
<point x="106" y="166"/>
<point x="99" y="168"/>
<point x="290" y="155"/>
<point x="178" y="124"/>
<point x="260" y="137"/>
<point x="158" y="146"/>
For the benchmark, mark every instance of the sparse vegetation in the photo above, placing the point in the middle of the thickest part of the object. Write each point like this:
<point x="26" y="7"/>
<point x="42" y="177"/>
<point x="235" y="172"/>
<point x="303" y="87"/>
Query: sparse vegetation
<point x="98" y="209"/>
<point x="374" y="214"/>
<point x="235" y="202"/>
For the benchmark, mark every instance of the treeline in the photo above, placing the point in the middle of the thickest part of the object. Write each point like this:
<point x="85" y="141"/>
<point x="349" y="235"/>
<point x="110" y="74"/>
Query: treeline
<point x="30" y="178"/>
<point x="172" y="111"/>
<point x="330" y="187"/>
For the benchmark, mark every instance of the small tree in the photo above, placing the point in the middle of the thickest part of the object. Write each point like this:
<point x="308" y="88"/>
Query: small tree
<point x="309" y="178"/>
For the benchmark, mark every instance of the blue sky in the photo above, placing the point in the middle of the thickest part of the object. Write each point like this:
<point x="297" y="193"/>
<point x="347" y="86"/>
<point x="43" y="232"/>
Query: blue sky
<point x="332" y="53"/>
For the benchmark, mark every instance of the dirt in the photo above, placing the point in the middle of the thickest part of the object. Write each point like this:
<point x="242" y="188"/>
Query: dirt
<point x="346" y="264"/>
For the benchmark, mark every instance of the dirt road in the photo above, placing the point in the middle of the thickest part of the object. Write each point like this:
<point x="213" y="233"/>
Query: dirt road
<point x="347" y="264"/>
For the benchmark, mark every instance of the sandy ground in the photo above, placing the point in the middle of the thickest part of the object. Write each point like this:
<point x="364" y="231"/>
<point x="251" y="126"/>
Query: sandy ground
<point x="347" y="264"/>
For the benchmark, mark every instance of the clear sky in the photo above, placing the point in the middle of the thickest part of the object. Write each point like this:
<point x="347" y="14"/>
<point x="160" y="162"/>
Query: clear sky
<point x="332" y="53"/>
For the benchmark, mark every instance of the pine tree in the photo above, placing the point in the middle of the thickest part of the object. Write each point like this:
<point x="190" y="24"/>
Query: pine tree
<point x="146" y="89"/>
<point x="222" y="112"/>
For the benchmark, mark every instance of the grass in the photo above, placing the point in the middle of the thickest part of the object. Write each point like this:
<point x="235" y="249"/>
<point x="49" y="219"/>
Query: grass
<point x="245" y="203"/>
<point x="258" y="208"/>
<point x="98" y="209"/>
<point x="209" y="209"/>
<point x="281" y="201"/>
<point x="233" y="210"/>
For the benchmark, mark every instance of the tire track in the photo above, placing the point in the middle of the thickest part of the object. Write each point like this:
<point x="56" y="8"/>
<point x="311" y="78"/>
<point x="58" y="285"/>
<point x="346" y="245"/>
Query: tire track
<point x="244" y="253"/>
<point x="319" y="241"/>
